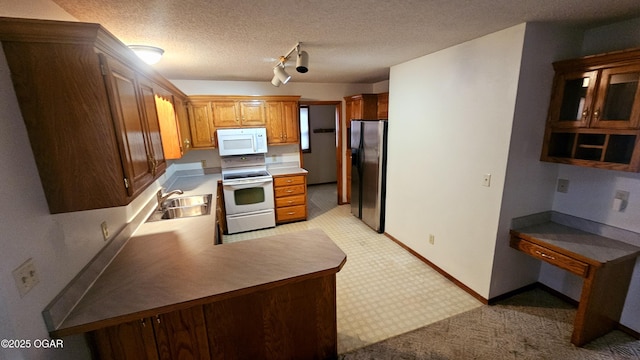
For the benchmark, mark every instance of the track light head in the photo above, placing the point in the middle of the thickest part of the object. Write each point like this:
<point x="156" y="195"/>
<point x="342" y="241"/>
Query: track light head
<point x="282" y="75"/>
<point x="275" y="81"/>
<point x="302" y="62"/>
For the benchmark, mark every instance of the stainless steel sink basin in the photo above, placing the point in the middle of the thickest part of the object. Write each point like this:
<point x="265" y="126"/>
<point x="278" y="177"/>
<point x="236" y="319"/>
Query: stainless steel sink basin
<point x="187" y="201"/>
<point x="182" y="207"/>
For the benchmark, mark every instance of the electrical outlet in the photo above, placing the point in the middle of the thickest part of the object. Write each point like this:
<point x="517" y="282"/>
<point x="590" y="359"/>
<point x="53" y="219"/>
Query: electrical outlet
<point x="622" y="195"/>
<point x="486" y="180"/>
<point x="105" y="230"/>
<point x="432" y="239"/>
<point x="25" y="277"/>
<point x="563" y="186"/>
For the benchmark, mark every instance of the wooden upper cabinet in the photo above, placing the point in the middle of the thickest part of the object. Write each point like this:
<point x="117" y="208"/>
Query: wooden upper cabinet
<point x="594" y="114"/>
<point x="174" y="123"/>
<point x="238" y="113"/>
<point x="130" y="124"/>
<point x="278" y="114"/>
<point x="225" y="114"/>
<point x="361" y="107"/>
<point x="252" y="113"/>
<point x="89" y="109"/>
<point x="383" y="105"/>
<point x="201" y="124"/>
<point x="157" y="162"/>
<point x="283" y="126"/>
<point x="182" y="114"/>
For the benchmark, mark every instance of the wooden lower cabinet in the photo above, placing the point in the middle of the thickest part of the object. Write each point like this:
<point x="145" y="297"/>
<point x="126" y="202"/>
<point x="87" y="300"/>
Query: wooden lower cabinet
<point x="175" y="335"/>
<point x="294" y="321"/>
<point x="290" y="194"/>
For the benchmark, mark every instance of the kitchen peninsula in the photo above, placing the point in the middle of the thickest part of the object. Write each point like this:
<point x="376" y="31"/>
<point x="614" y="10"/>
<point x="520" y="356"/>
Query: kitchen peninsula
<point x="170" y="292"/>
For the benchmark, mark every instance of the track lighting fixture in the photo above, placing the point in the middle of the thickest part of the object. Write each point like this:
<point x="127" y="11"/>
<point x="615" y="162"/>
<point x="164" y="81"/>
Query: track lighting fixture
<point x="302" y="62"/>
<point x="280" y="76"/>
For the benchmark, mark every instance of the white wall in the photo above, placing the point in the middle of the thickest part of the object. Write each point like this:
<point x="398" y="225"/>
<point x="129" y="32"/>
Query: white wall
<point x="450" y="121"/>
<point x="530" y="183"/>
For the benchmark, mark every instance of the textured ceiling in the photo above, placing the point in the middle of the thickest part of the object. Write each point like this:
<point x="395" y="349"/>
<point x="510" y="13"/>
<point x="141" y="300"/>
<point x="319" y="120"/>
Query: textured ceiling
<point x="348" y="41"/>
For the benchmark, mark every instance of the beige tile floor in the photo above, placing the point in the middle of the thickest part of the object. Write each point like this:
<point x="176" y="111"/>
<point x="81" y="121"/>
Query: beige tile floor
<point x="382" y="290"/>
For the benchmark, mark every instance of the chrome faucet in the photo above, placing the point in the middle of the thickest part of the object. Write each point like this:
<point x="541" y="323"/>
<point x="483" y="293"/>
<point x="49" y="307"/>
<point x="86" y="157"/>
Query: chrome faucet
<point x="161" y="198"/>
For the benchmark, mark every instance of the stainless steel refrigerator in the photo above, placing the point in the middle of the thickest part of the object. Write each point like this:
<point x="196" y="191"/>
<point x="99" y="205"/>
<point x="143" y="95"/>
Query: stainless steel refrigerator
<point x="369" y="171"/>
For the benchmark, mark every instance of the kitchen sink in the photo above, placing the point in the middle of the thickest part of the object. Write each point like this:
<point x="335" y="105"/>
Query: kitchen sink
<point x="182" y="207"/>
<point x="187" y="201"/>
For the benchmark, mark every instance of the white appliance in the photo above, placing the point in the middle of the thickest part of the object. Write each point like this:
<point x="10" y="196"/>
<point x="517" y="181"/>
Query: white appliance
<point x="242" y="141"/>
<point x="248" y="193"/>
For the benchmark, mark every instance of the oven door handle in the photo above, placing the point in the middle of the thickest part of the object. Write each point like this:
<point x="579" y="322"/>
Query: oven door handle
<point x="244" y="185"/>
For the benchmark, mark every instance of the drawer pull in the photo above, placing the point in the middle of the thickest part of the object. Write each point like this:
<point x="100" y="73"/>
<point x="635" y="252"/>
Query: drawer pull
<point x="291" y="213"/>
<point x="290" y="202"/>
<point x="289" y="191"/>
<point x="289" y="181"/>
<point x="545" y="255"/>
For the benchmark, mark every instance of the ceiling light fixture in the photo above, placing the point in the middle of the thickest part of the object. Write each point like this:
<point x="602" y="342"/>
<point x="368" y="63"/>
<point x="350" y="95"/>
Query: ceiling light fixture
<point x="149" y="54"/>
<point x="280" y="76"/>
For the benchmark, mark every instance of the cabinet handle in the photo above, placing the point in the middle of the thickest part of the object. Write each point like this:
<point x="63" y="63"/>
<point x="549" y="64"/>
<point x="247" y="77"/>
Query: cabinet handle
<point x="289" y="191"/>
<point x="545" y="255"/>
<point x="144" y="323"/>
<point x="158" y="319"/>
<point x="289" y="180"/>
<point x="291" y="212"/>
<point x="585" y="113"/>
<point x="290" y="202"/>
<point x="596" y="114"/>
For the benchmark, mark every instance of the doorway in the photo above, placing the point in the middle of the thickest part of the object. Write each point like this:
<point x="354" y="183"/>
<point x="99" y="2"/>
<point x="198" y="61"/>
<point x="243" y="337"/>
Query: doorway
<point x="322" y="158"/>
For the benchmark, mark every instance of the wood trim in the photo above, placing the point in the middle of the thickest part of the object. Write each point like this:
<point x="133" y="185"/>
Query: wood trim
<point x="442" y="272"/>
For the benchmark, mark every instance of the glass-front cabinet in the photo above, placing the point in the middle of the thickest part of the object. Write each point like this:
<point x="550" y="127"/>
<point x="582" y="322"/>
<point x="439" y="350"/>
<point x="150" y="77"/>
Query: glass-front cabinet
<point x="618" y="102"/>
<point x="594" y="114"/>
<point x="571" y="103"/>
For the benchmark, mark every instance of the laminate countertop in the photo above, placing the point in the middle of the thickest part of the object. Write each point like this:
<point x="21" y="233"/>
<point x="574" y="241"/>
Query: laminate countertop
<point x="584" y="245"/>
<point x="171" y="265"/>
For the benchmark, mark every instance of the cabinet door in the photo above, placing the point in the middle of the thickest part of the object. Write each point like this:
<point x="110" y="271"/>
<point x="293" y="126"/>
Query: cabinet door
<point x="183" y="124"/>
<point x="225" y="114"/>
<point x="252" y="113"/>
<point x="129" y="341"/>
<point x="572" y="99"/>
<point x="201" y="124"/>
<point x="290" y="122"/>
<point x="155" y="153"/>
<point x="275" y="131"/>
<point x="618" y="101"/>
<point x="129" y="123"/>
<point x="168" y="120"/>
<point x="182" y="334"/>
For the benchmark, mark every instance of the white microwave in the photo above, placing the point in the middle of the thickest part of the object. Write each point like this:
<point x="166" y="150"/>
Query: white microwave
<point x="242" y="141"/>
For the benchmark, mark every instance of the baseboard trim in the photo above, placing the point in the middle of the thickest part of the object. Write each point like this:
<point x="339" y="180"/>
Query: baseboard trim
<point x="439" y="270"/>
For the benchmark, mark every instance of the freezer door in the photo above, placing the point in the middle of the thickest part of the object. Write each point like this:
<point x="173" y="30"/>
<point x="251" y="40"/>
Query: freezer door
<point x="355" y="167"/>
<point x="372" y="174"/>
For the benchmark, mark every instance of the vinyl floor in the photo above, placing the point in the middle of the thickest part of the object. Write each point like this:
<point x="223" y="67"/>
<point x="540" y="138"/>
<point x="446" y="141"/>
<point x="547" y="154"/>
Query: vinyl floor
<point x="382" y="291"/>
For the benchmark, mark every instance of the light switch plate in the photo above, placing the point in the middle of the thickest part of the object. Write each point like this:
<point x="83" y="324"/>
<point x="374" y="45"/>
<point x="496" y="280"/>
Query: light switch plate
<point x="563" y="186"/>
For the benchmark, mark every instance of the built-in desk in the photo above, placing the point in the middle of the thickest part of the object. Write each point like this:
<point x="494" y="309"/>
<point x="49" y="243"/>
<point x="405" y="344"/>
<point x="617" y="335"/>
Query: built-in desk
<point x="605" y="264"/>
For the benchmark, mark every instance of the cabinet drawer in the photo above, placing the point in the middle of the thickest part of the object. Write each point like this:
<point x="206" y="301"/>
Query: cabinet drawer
<point x="291" y="201"/>
<point x="291" y="213"/>
<point x="288" y="180"/>
<point x="289" y="190"/>
<point x="552" y="257"/>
